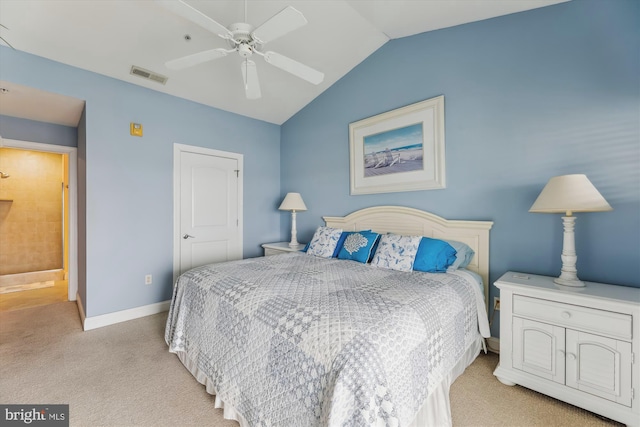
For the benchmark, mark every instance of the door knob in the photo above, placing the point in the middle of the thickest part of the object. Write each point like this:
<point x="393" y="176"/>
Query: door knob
<point x="188" y="236"/>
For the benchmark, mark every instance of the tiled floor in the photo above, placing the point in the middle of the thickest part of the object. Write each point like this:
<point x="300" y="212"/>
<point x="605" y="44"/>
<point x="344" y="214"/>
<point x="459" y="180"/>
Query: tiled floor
<point x="35" y="297"/>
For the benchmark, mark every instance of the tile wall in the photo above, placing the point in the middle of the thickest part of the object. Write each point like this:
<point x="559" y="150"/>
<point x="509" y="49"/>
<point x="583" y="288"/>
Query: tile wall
<point x="30" y="211"/>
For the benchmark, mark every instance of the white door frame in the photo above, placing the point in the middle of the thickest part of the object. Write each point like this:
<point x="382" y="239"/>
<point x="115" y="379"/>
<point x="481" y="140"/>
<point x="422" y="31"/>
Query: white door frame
<point x="177" y="150"/>
<point x="72" y="152"/>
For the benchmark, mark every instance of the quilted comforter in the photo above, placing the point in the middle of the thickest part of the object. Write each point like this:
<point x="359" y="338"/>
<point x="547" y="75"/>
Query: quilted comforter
<point x="297" y="340"/>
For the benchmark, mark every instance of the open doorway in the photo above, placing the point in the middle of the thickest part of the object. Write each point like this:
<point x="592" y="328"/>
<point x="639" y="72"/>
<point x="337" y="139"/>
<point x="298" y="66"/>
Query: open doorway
<point x="38" y="211"/>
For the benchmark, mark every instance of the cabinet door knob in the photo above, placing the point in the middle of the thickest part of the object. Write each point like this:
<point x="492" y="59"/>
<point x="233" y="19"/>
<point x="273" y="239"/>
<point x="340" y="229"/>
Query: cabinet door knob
<point x="188" y="236"/>
<point x="565" y="315"/>
<point x="571" y="356"/>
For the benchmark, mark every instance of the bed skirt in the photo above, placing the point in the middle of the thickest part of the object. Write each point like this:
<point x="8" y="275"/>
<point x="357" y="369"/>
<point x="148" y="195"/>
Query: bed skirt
<point x="435" y="411"/>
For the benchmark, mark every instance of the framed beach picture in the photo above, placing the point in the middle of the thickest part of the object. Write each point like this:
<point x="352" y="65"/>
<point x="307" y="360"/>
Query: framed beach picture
<point x="400" y="150"/>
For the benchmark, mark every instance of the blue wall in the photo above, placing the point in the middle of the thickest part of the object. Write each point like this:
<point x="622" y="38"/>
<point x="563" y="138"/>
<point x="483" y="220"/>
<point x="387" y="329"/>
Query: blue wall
<point x="33" y="131"/>
<point x="528" y="96"/>
<point x="128" y="181"/>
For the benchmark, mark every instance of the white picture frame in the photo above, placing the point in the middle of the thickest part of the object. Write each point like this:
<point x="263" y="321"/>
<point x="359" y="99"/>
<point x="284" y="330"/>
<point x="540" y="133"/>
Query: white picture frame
<point x="400" y="150"/>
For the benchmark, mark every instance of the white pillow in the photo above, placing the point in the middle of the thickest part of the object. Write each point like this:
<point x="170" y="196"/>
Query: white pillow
<point x="324" y="242"/>
<point x="396" y="252"/>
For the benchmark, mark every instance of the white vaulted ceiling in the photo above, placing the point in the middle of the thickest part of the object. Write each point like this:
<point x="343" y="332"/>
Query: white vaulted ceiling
<point x="108" y="37"/>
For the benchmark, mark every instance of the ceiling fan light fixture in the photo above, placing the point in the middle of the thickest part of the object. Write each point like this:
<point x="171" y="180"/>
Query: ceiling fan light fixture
<point x="245" y="50"/>
<point x="246" y="41"/>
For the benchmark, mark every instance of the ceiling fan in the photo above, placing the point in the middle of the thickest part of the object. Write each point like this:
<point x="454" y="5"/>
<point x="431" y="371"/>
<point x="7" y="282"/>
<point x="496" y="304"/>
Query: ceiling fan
<point x="246" y="41"/>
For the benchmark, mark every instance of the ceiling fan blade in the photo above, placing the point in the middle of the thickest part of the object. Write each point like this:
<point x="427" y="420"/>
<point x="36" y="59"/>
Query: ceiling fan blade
<point x="294" y="67"/>
<point x="285" y="21"/>
<point x="195" y="59"/>
<point x="250" y="78"/>
<point x="194" y="15"/>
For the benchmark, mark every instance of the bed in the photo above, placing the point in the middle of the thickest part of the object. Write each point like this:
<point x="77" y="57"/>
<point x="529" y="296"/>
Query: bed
<point x="299" y="340"/>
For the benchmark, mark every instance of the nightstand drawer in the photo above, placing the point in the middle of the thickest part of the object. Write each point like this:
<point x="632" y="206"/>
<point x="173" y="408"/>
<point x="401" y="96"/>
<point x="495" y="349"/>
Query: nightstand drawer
<point x="592" y="320"/>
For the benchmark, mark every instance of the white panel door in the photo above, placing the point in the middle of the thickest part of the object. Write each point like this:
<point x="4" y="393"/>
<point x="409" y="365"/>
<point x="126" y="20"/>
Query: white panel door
<point x="209" y="205"/>
<point x="599" y="365"/>
<point x="538" y="348"/>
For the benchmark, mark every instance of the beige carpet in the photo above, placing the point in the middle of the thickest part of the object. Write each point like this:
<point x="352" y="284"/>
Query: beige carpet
<point x="123" y="375"/>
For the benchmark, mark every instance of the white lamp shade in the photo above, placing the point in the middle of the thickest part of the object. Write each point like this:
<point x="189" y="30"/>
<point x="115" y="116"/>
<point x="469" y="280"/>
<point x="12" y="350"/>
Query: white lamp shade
<point x="293" y="202"/>
<point x="570" y="193"/>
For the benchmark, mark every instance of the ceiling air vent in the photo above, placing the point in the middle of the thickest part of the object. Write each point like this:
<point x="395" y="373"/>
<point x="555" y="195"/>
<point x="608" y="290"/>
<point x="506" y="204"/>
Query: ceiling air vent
<point x="149" y="75"/>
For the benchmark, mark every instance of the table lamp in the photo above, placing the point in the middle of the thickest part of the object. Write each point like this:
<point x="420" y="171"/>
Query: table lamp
<point x="293" y="202"/>
<point x="568" y="194"/>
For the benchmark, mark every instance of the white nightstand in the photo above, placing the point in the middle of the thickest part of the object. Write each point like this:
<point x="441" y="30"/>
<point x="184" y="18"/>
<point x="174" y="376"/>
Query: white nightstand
<point x="579" y="345"/>
<point x="280" y="248"/>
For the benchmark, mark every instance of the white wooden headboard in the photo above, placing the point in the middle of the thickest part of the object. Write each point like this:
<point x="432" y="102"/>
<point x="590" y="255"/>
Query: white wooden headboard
<point x="410" y="221"/>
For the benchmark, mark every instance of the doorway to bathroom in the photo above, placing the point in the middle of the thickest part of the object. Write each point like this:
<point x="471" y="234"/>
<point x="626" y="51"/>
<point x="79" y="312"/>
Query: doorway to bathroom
<point x="38" y="229"/>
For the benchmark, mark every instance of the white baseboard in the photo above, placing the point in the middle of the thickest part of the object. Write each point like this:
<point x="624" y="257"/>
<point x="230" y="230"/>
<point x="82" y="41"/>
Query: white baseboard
<point x="493" y="344"/>
<point x="95" y="322"/>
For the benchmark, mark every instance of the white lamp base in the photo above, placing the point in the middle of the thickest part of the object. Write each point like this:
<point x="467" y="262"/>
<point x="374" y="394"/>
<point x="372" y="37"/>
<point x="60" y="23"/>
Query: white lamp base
<point x="572" y="283"/>
<point x="569" y="273"/>
<point x="294" y="232"/>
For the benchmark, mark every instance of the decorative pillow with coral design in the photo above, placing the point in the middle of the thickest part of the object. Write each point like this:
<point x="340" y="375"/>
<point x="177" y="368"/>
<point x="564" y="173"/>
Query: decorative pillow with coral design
<point x="358" y="245"/>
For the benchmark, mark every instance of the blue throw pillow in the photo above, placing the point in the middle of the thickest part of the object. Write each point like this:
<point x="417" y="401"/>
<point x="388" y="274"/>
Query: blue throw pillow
<point x="374" y="249"/>
<point x="434" y="256"/>
<point x="341" y="242"/>
<point x="358" y="245"/>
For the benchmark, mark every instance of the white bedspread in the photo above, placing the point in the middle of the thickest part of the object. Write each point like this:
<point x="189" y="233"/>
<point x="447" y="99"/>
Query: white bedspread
<point x="296" y="340"/>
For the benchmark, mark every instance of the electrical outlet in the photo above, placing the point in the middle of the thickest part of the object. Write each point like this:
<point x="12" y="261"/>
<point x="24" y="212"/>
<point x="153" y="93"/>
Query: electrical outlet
<point x="496" y="303"/>
<point x="148" y="279"/>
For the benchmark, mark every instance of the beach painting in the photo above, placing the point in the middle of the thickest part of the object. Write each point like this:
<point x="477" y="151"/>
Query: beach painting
<point x="399" y="150"/>
<point x="394" y="151"/>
